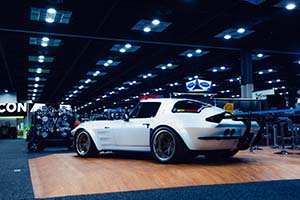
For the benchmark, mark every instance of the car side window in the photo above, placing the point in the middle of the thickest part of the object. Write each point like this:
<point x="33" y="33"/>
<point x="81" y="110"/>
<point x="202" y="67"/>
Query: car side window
<point x="187" y="106"/>
<point x="145" y="110"/>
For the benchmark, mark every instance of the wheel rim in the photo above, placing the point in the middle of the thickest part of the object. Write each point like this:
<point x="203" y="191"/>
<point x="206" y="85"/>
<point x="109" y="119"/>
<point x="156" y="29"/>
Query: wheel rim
<point x="83" y="143"/>
<point x="164" y="145"/>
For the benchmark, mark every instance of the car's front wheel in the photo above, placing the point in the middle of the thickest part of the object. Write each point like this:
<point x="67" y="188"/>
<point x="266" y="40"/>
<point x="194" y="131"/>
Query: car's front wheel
<point x="167" y="146"/>
<point x="84" y="145"/>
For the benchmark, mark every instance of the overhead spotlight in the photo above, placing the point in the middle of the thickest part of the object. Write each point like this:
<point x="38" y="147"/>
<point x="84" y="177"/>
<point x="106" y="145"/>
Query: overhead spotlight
<point x="198" y="51"/>
<point x="35" y="90"/>
<point x="39" y="70"/>
<point x="75" y="91"/>
<point x="163" y="67"/>
<point x="269" y="82"/>
<point x="87" y="81"/>
<point x="147" y="29"/>
<point x="155" y="22"/>
<point x="109" y="61"/>
<point x="171" y="85"/>
<point x="34" y="94"/>
<point x="106" y="64"/>
<point x="45" y="39"/>
<point x="270" y="70"/>
<point x="260" y="55"/>
<point x="169" y="64"/>
<point x="227" y="37"/>
<point x="189" y="55"/>
<point x="134" y="82"/>
<point x="260" y="72"/>
<point x="241" y="30"/>
<point x="290" y="6"/>
<point x="44" y="44"/>
<point x="122" y="50"/>
<point x="6" y="91"/>
<point x="175" y="83"/>
<point x="214" y="85"/>
<point x="215" y="70"/>
<point x="278" y="80"/>
<point x="149" y="74"/>
<point x="33" y="98"/>
<point x="128" y="46"/>
<point x="230" y="80"/>
<point x="299" y="62"/>
<point x="196" y="76"/>
<point x="81" y="87"/>
<point x="41" y="59"/>
<point x="36" y="85"/>
<point x="222" y="67"/>
<point x="145" y="76"/>
<point x="67" y="98"/>
<point x="50" y="15"/>
<point x="37" y="79"/>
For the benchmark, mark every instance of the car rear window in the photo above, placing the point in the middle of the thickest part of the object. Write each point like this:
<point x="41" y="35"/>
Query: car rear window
<point x="187" y="106"/>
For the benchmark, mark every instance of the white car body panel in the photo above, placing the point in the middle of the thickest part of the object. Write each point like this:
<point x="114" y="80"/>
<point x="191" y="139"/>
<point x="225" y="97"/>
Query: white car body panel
<point x="134" y="135"/>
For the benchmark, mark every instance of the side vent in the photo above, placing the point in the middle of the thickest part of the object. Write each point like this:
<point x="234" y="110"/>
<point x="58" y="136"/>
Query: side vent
<point x="216" y="118"/>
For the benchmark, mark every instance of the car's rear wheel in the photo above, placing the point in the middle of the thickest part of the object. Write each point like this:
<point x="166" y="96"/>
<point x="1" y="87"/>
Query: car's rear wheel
<point x="84" y="145"/>
<point x="167" y="146"/>
<point x="221" y="155"/>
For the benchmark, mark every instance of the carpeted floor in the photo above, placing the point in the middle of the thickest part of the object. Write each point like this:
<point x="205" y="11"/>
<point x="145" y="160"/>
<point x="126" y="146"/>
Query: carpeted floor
<point x="15" y="183"/>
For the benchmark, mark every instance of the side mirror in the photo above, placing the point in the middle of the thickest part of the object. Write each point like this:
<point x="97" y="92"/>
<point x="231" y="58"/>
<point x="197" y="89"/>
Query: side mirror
<point x="126" y="117"/>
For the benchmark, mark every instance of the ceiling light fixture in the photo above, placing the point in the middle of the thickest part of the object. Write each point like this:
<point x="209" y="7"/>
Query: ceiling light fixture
<point x="270" y="70"/>
<point x="50" y="15"/>
<point x="260" y="55"/>
<point x="122" y="50"/>
<point x="39" y="70"/>
<point x="215" y="70"/>
<point x="163" y="67"/>
<point x="198" y="51"/>
<point x="6" y="91"/>
<point x="41" y="59"/>
<point x="290" y="6"/>
<point x="260" y="72"/>
<point x="36" y="85"/>
<point x="35" y="90"/>
<point x="241" y="30"/>
<point x="147" y="29"/>
<point x="37" y="79"/>
<point x="87" y="81"/>
<point x="110" y="61"/>
<point x="222" y="67"/>
<point x="128" y="46"/>
<point x="80" y="87"/>
<point x="189" y="55"/>
<point x="155" y="22"/>
<point x="227" y="37"/>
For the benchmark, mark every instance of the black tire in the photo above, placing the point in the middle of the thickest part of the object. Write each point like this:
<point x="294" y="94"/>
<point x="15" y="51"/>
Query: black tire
<point x="167" y="146"/>
<point x="35" y="146"/>
<point x="84" y="145"/>
<point x="220" y="155"/>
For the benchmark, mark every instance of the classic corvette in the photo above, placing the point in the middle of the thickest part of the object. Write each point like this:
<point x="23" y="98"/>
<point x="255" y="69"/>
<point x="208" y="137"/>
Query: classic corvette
<point x="171" y="129"/>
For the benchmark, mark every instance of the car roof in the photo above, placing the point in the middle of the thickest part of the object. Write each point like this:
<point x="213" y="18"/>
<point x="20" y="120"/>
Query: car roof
<point x="163" y="100"/>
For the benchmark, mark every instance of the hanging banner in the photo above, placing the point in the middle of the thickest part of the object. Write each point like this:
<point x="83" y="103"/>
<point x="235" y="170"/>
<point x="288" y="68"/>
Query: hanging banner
<point x="198" y="85"/>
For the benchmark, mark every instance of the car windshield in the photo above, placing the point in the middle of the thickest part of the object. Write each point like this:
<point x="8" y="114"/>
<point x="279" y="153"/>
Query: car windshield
<point x="189" y="106"/>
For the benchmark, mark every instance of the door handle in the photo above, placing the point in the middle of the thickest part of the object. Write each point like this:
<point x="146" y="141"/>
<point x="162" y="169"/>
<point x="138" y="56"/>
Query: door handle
<point x="146" y="124"/>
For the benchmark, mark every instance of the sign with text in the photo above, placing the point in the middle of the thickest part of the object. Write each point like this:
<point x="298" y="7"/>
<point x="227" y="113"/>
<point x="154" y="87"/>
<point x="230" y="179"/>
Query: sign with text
<point x="13" y="109"/>
<point x="198" y="85"/>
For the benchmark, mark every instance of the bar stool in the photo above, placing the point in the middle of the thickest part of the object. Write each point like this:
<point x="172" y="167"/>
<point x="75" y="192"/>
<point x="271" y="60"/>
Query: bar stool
<point x="282" y="122"/>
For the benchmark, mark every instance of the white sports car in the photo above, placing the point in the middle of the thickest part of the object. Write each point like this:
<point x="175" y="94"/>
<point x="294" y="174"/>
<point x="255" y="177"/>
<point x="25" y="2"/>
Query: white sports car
<point x="171" y="129"/>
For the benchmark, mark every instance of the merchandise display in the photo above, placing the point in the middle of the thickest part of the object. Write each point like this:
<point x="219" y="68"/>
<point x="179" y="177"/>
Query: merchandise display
<point x="171" y="129"/>
<point x="51" y="127"/>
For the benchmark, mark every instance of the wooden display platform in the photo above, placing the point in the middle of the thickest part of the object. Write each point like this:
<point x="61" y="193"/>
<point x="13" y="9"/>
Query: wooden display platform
<point x="66" y="174"/>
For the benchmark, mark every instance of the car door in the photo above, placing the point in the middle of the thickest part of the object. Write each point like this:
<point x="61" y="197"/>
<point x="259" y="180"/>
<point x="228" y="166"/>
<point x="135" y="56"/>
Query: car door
<point x="135" y="133"/>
